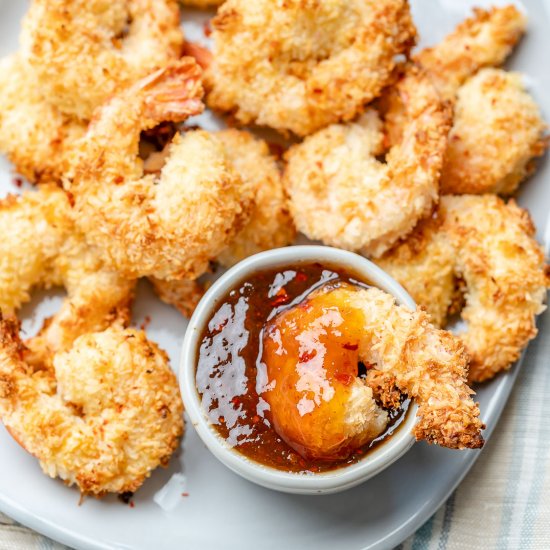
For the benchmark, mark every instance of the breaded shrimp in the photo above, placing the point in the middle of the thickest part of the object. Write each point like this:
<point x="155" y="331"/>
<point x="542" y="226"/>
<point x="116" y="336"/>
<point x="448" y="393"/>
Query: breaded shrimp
<point x="323" y="409"/>
<point x="34" y="135"/>
<point x="169" y="226"/>
<point x="497" y="132"/>
<point x="83" y="51"/>
<point x="107" y="414"/>
<point x="184" y="294"/>
<point x="341" y="194"/>
<point x="42" y="248"/>
<point x="483" y="248"/>
<point x="272" y="66"/>
<point x="270" y="224"/>
<point x="484" y="40"/>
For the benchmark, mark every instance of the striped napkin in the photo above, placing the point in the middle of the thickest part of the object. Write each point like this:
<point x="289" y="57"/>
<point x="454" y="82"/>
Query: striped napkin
<point x="504" y="502"/>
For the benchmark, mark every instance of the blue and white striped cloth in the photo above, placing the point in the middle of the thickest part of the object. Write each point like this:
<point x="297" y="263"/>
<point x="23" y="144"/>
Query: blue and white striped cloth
<point x="504" y="503"/>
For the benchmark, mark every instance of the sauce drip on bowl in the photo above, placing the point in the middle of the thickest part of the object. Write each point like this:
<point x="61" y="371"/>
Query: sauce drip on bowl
<point x="232" y="378"/>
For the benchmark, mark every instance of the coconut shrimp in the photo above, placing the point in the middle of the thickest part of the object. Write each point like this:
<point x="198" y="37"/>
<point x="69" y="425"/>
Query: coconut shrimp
<point x="83" y="51"/>
<point x="478" y="255"/>
<point x="34" y="135"/>
<point x="341" y="194"/>
<point x="320" y="405"/>
<point x="42" y="248"/>
<point x="270" y="224"/>
<point x="167" y="226"/>
<point x="272" y="67"/>
<point x="484" y="40"/>
<point x="107" y="414"/>
<point x="497" y="132"/>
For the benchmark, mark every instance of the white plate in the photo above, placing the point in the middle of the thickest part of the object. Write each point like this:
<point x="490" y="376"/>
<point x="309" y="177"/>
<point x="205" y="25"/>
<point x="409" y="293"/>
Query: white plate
<point x="222" y="510"/>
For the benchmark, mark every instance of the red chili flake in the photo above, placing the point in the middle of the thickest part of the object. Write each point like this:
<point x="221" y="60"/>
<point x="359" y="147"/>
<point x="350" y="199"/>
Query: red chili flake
<point x="255" y="419"/>
<point x="359" y="451"/>
<point x="307" y="356"/>
<point x="18" y="182"/>
<point x="222" y="419"/>
<point x="351" y="347"/>
<point x="207" y="28"/>
<point x="185" y="494"/>
<point x="301" y="277"/>
<point x="344" y="378"/>
<point x="236" y="401"/>
<point x="146" y="322"/>
<point x="118" y="179"/>
<point x="280" y="300"/>
<point x="132" y="504"/>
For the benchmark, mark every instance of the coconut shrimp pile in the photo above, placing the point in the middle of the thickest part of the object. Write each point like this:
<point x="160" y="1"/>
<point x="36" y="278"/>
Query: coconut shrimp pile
<point x="375" y="146"/>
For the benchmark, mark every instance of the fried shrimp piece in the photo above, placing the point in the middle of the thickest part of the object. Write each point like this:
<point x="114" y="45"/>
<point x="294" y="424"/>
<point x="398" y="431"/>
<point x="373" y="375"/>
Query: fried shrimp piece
<point x="167" y="226"/>
<point x="82" y="51"/>
<point x="34" y="135"/>
<point x="318" y="403"/>
<point x="497" y="132"/>
<point x="270" y="224"/>
<point x="42" y="248"/>
<point x="272" y="66"/>
<point x="106" y="415"/>
<point x="483" y="248"/>
<point x="342" y="194"/>
<point x="483" y="40"/>
<point x="184" y="294"/>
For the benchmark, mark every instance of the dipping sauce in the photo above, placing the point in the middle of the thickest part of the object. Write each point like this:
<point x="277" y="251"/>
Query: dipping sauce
<point x="231" y="375"/>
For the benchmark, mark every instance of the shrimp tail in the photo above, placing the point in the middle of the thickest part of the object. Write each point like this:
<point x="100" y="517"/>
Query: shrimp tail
<point x="174" y="92"/>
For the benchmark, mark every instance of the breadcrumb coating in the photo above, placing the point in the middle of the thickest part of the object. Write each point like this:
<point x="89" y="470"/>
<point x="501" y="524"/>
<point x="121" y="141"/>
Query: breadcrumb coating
<point x="106" y="415"/>
<point x="497" y="132"/>
<point x="483" y="40"/>
<point x="270" y="224"/>
<point x="425" y="363"/>
<point x="82" y="51"/>
<point x="483" y="248"/>
<point x="42" y="248"/>
<point x="167" y="226"/>
<point x="341" y="194"/>
<point x="34" y="135"/>
<point x="272" y="66"/>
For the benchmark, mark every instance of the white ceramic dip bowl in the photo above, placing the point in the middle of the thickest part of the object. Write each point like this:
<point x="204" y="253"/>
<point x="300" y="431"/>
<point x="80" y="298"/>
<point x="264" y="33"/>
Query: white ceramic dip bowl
<point x="345" y="477"/>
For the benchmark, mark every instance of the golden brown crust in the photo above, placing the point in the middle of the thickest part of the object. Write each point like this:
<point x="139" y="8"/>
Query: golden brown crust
<point x="490" y="246"/>
<point x="42" y="248"/>
<point x="106" y="414"/>
<point x="271" y="66"/>
<point x="341" y="194"/>
<point x="168" y="226"/>
<point x="483" y="40"/>
<point x="82" y="51"/>
<point x="270" y="224"/>
<point x="34" y="135"/>
<point x="497" y="133"/>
